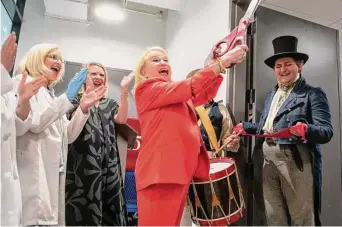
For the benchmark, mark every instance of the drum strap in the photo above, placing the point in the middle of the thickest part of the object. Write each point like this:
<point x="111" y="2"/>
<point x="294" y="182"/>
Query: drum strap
<point x="208" y="126"/>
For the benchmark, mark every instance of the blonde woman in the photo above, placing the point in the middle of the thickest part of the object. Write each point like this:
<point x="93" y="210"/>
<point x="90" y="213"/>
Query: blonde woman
<point x="172" y="151"/>
<point x="94" y="189"/>
<point x="44" y="133"/>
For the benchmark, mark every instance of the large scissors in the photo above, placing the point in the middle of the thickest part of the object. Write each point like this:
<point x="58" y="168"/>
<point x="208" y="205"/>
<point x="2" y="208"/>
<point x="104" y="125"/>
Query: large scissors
<point x="238" y="35"/>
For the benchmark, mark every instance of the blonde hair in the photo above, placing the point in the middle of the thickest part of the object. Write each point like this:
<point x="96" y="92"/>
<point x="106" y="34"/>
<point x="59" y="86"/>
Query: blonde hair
<point x="142" y="62"/>
<point x="105" y="74"/>
<point x="33" y="61"/>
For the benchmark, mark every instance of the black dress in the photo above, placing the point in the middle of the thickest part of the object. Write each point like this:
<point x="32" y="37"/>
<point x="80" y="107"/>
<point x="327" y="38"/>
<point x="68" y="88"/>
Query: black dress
<point x="94" y="192"/>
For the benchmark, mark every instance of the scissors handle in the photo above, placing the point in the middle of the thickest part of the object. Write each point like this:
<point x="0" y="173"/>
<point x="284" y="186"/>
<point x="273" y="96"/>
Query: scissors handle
<point x="238" y="41"/>
<point x="235" y="38"/>
<point x="227" y="41"/>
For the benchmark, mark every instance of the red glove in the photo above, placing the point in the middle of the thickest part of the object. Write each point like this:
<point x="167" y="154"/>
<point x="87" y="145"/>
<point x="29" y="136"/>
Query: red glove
<point x="238" y="130"/>
<point x="299" y="129"/>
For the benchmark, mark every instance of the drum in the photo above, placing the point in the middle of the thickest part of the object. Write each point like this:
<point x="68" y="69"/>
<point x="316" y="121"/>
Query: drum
<point x="217" y="201"/>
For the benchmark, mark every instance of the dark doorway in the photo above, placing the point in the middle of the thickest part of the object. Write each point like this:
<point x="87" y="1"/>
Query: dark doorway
<point x="322" y="69"/>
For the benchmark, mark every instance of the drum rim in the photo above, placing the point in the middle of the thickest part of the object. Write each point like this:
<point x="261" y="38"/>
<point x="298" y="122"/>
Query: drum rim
<point x="220" y="174"/>
<point x="212" y="180"/>
<point x="235" y="216"/>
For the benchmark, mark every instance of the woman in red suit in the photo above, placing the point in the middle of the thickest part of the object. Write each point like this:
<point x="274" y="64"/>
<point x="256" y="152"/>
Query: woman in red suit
<point x="172" y="152"/>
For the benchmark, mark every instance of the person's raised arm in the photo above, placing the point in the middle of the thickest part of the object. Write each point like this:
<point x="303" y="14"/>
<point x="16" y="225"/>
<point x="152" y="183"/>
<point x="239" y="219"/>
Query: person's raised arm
<point x="200" y="88"/>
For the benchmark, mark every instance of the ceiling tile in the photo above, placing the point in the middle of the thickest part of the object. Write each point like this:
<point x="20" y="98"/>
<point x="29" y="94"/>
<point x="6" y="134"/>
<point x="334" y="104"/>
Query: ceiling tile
<point x="337" y="25"/>
<point x="67" y="9"/>
<point x="294" y="13"/>
<point x="313" y="8"/>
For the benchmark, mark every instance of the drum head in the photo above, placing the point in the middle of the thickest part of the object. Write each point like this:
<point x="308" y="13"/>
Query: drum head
<point x="219" y="166"/>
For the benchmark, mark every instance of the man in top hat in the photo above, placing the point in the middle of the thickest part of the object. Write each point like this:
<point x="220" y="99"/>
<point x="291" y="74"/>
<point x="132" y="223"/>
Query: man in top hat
<point x="292" y="167"/>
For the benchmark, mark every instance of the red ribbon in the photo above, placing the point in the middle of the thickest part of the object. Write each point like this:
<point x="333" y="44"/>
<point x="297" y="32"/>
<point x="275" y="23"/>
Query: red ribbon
<point x="282" y="134"/>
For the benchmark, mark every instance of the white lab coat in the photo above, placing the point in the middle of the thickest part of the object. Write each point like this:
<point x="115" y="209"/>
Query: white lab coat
<point x="42" y="145"/>
<point x="10" y="186"/>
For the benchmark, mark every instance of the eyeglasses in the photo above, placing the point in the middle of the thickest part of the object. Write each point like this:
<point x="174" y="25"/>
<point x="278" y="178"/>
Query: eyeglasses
<point x="55" y="58"/>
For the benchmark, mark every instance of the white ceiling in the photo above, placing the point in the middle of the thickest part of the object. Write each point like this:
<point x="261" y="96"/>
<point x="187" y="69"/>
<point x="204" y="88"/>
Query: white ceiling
<point x="324" y="12"/>
<point x="81" y="10"/>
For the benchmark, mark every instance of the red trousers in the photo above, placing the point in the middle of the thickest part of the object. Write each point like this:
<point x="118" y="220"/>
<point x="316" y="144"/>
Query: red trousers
<point x="161" y="204"/>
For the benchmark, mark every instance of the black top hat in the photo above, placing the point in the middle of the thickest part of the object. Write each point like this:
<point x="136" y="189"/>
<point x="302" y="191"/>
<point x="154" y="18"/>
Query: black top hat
<point x="285" y="46"/>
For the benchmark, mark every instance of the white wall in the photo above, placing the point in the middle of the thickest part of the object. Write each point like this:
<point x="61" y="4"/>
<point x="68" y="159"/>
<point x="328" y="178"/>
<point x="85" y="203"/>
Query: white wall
<point x="187" y="35"/>
<point x="191" y="33"/>
<point x="115" y="45"/>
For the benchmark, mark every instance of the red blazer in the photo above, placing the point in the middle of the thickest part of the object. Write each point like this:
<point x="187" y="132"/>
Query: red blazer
<point x="171" y="140"/>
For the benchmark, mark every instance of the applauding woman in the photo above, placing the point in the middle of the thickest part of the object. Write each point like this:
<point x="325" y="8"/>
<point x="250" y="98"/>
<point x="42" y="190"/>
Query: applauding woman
<point x="44" y="134"/>
<point x="94" y="189"/>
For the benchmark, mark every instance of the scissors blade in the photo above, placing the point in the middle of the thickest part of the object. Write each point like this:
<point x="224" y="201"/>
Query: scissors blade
<point x="252" y="8"/>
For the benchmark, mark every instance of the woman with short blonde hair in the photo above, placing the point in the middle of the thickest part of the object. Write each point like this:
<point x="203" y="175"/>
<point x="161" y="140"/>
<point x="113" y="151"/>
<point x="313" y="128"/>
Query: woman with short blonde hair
<point x="43" y="134"/>
<point x="33" y="62"/>
<point x="172" y="151"/>
<point x="141" y="63"/>
<point x="97" y="64"/>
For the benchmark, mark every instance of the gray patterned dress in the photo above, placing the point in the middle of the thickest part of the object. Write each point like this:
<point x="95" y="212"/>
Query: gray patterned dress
<point x="94" y="184"/>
